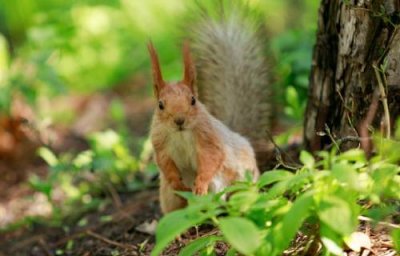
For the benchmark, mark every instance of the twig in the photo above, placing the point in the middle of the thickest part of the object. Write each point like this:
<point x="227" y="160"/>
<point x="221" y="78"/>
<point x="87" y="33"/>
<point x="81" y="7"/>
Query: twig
<point x="387" y="48"/>
<point x="108" y="241"/>
<point x="363" y="127"/>
<point x="348" y="139"/>
<point x="212" y="232"/>
<point x="382" y="223"/>
<point x="44" y="246"/>
<point x="328" y="131"/>
<point x="278" y="156"/>
<point x="67" y="238"/>
<point x="26" y="242"/>
<point x="114" y="195"/>
<point x="383" y="98"/>
<point x="281" y="163"/>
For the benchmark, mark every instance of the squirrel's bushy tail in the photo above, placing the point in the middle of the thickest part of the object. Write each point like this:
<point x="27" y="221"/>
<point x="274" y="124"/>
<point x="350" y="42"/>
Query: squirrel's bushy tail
<point x="233" y="76"/>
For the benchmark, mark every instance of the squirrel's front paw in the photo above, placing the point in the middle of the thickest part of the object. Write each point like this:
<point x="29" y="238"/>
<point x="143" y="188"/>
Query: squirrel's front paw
<point x="200" y="190"/>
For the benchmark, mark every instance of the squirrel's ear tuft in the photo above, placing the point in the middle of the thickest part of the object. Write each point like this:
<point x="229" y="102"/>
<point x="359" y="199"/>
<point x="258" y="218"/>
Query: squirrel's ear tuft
<point x="189" y="76"/>
<point x="156" y="70"/>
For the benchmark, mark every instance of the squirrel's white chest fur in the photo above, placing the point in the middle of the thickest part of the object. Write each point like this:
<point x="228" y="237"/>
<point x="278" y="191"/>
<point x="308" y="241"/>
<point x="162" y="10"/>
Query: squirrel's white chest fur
<point x="181" y="146"/>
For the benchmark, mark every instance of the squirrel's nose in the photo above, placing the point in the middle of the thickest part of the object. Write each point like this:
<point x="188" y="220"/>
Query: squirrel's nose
<point x="179" y="121"/>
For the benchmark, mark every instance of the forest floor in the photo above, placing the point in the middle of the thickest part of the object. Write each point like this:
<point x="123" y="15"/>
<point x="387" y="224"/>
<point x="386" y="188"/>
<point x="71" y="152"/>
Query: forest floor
<point x="125" y="224"/>
<point x="129" y="230"/>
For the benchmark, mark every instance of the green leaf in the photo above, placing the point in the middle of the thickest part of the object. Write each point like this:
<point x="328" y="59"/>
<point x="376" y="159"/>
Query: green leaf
<point x="4" y="57"/>
<point x="357" y="155"/>
<point x="84" y="159"/>
<point x="332" y="246"/>
<point x="243" y="200"/>
<point x="104" y="141"/>
<point x="48" y="156"/>
<point x="231" y="252"/>
<point x="294" y="218"/>
<point x="346" y="174"/>
<point x="292" y="96"/>
<point x="272" y="177"/>
<point x="336" y="214"/>
<point x="331" y="239"/>
<point x="396" y="239"/>
<point x="40" y="185"/>
<point x="288" y="184"/>
<point x="307" y="159"/>
<point x="198" y="244"/>
<point x="174" y="223"/>
<point x="117" y="110"/>
<point x="241" y="233"/>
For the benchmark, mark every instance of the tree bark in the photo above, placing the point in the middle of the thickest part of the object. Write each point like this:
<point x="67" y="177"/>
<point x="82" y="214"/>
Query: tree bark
<point x="355" y="77"/>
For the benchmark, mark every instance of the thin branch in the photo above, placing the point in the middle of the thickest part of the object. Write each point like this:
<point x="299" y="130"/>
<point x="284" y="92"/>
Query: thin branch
<point x="22" y="244"/>
<point x="383" y="95"/>
<point x="108" y="241"/>
<point x="365" y="141"/>
<point x="328" y="132"/>
<point x="382" y="223"/>
<point x="345" y="139"/>
<point x="278" y="156"/>
<point x="114" y="195"/>
<point x="44" y="246"/>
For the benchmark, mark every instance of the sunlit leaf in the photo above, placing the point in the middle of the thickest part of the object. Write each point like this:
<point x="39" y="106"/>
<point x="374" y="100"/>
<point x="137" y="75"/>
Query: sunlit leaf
<point x="336" y="213"/>
<point x="396" y="239"/>
<point x="353" y="155"/>
<point x="193" y="247"/>
<point x="272" y="177"/>
<point x="243" y="200"/>
<point x="332" y="246"/>
<point x="173" y="224"/>
<point x="241" y="233"/>
<point x="48" y="156"/>
<point x="293" y="220"/>
<point x="307" y="159"/>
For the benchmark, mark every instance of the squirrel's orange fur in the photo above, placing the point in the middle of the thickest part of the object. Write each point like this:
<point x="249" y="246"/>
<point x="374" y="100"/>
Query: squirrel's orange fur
<point x="194" y="150"/>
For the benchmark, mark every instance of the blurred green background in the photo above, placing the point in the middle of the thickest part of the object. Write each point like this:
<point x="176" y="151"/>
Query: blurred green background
<point x="51" y="47"/>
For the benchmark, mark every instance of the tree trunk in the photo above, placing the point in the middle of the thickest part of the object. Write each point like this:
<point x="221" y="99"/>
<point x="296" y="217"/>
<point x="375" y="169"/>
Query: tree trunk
<point x="355" y="77"/>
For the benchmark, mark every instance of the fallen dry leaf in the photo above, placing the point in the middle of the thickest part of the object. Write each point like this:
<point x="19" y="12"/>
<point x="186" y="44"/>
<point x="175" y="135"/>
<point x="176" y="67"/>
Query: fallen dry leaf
<point x="358" y="241"/>
<point x="147" y="227"/>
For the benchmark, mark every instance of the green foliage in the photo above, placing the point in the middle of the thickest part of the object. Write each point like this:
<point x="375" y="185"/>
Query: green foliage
<point x="76" y="179"/>
<point x="178" y="221"/>
<point x="292" y="51"/>
<point x="396" y="239"/>
<point x="199" y="244"/>
<point x="91" y="44"/>
<point x="84" y="46"/>
<point x="241" y="233"/>
<point x="322" y="199"/>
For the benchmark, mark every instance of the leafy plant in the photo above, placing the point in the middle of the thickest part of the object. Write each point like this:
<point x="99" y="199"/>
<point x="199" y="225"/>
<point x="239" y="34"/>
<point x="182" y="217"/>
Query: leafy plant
<point x="322" y="200"/>
<point x="293" y="51"/>
<point x="77" y="179"/>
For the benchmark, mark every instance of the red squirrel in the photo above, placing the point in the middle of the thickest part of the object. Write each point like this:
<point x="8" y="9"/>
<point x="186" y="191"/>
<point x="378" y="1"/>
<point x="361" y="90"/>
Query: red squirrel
<point x="202" y="152"/>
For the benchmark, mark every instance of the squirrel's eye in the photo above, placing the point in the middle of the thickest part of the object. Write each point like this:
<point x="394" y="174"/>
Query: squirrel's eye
<point x="193" y="101"/>
<point x="160" y="105"/>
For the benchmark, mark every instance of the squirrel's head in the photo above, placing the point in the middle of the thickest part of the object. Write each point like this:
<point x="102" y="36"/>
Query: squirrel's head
<point x="177" y="101"/>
